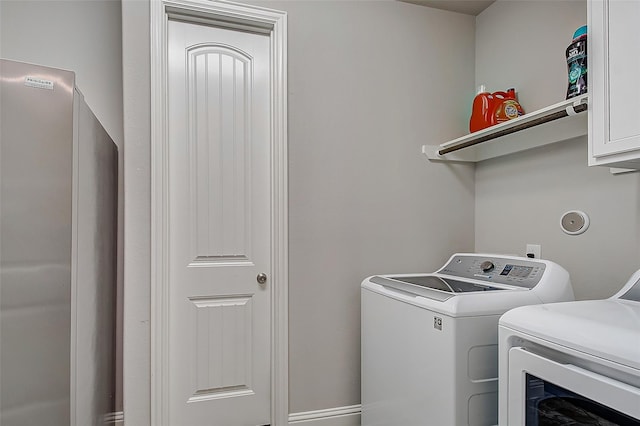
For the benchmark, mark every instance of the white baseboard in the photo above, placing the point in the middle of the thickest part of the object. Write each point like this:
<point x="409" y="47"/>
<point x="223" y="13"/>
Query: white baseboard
<point x="339" y="416"/>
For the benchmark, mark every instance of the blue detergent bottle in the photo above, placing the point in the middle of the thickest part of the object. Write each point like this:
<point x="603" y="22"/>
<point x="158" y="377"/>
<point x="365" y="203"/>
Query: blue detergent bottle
<point x="577" y="63"/>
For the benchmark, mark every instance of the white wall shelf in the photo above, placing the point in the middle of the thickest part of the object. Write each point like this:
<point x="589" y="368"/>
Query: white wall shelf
<point x="559" y="122"/>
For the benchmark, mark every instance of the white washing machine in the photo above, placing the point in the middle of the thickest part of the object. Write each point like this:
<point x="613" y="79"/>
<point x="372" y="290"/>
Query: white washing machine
<point x="575" y="363"/>
<point x="430" y="341"/>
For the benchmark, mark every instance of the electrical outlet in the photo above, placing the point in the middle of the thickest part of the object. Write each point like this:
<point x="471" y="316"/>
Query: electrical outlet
<point x="533" y="250"/>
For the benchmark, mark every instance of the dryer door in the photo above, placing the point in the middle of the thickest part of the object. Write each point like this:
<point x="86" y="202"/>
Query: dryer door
<point x="545" y="392"/>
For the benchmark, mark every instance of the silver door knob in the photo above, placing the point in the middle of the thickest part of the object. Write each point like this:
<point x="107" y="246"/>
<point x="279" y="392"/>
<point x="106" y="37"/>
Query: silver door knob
<point x="261" y="278"/>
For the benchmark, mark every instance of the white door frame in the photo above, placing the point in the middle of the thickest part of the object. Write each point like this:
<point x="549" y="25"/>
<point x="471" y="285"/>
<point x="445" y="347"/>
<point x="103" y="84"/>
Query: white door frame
<point x="244" y="17"/>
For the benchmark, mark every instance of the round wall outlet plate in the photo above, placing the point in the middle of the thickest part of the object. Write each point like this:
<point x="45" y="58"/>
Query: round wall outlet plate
<point x="574" y="222"/>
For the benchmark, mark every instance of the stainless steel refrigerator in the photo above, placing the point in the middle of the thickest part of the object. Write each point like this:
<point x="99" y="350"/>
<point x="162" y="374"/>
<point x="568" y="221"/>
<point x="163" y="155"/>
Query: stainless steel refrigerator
<point x="58" y="202"/>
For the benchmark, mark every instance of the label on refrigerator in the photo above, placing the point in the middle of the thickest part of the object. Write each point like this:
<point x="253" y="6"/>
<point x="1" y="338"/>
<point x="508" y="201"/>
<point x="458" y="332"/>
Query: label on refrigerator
<point x="38" y="83"/>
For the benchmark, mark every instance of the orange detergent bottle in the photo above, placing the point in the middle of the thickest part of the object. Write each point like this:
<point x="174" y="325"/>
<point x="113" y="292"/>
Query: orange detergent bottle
<point x="493" y="108"/>
<point x="481" y="110"/>
<point x="506" y="106"/>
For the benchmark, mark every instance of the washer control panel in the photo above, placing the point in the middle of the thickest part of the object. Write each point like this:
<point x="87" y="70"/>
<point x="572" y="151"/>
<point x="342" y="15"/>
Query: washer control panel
<point x="519" y="272"/>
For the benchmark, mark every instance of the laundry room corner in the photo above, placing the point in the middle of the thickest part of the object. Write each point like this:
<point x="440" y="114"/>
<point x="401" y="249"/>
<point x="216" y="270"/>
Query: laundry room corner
<point x="521" y="197"/>
<point x="310" y="229"/>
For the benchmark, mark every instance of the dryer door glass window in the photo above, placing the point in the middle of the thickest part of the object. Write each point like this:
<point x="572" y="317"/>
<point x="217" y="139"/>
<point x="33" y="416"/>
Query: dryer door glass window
<point x="551" y="405"/>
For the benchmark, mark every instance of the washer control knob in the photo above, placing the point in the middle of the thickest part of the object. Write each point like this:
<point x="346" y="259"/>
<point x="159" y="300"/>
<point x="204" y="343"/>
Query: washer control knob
<point x="487" y="266"/>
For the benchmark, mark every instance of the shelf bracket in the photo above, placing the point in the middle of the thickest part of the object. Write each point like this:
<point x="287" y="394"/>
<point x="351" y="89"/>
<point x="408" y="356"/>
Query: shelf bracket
<point x="576" y="108"/>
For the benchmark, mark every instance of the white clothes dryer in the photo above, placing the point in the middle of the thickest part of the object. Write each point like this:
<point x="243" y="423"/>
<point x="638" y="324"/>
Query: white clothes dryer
<point x="430" y="341"/>
<point x="575" y="363"/>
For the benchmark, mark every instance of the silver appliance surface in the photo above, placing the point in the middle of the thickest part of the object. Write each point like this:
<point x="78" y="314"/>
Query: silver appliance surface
<point x="58" y="201"/>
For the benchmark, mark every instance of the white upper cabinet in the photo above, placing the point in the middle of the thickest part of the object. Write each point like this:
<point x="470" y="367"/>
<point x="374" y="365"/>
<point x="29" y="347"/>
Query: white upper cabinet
<point x="614" y="86"/>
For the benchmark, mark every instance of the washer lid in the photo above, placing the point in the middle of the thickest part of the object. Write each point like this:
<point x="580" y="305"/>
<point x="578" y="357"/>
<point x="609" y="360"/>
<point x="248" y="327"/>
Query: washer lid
<point x="445" y="284"/>
<point x="430" y="286"/>
<point x="609" y="329"/>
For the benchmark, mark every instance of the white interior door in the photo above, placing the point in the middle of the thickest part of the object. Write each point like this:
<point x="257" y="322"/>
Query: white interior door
<point x="219" y="226"/>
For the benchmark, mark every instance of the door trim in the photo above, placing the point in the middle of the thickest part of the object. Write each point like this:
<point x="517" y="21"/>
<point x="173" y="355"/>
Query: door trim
<point x="242" y="17"/>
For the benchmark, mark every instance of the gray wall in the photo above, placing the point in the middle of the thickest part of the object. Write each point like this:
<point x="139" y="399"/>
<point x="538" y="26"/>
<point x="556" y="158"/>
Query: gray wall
<point x="363" y="200"/>
<point x="521" y="197"/>
<point x="369" y="83"/>
<point x="80" y="36"/>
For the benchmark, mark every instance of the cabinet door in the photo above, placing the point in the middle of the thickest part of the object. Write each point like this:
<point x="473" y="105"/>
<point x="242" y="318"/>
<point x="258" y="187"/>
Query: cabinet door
<point x="614" y="71"/>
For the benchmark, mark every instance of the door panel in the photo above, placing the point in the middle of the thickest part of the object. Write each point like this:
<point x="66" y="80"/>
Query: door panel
<point x="220" y="88"/>
<point x="219" y="226"/>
